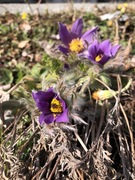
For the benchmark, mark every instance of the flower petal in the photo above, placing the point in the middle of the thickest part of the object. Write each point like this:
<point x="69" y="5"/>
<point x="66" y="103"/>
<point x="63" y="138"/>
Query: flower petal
<point x="90" y="35"/>
<point x="41" y="119"/>
<point x="63" y="49"/>
<point x="64" y="34"/>
<point x="77" y="27"/>
<point x="41" y="95"/>
<point x="92" y="59"/>
<point x="46" y="118"/>
<point x="49" y="119"/>
<point x="43" y="100"/>
<point x="93" y="49"/>
<point x="63" y="117"/>
<point x="105" y="47"/>
<point x="44" y="107"/>
<point x="104" y="60"/>
<point x="62" y="102"/>
<point x="37" y="94"/>
<point x="115" y="49"/>
<point x="83" y="54"/>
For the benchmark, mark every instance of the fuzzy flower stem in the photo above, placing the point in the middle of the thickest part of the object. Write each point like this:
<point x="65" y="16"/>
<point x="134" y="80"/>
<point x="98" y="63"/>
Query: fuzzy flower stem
<point x="84" y="86"/>
<point x="127" y="85"/>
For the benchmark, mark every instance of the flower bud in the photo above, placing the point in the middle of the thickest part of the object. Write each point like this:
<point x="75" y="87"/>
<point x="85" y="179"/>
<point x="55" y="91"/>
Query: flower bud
<point x="103" y="94"/>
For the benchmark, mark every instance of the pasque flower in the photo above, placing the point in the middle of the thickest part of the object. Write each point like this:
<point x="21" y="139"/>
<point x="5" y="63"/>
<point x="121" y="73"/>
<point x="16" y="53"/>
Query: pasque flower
<point x="74" y="40"/>
<point x="101" y="52"/>
<point x="52" y="106"/>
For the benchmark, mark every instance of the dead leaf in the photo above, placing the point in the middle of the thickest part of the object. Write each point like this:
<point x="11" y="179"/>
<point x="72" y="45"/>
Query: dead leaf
<point x="25" y="26"/>
<point x="22" y="44"/>
<point x="38" y="57"/>
<point x="24" y="54"/>
<point x="1" y="51"/>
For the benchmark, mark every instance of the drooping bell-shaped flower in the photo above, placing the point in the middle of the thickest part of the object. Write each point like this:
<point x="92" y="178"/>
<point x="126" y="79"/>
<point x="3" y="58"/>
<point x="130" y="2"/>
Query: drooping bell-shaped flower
<point x="52" y="106"/>
<point x="74" y="40"/>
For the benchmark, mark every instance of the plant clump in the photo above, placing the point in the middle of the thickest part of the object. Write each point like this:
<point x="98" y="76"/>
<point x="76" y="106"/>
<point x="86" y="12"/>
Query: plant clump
<point x="67" y="91"/>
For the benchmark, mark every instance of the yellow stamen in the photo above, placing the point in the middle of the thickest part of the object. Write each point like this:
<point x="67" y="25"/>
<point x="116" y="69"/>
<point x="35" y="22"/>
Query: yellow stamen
<point x="56" y="106"/>
<point x="76" y="45"/>
<point x="98" y="58"/>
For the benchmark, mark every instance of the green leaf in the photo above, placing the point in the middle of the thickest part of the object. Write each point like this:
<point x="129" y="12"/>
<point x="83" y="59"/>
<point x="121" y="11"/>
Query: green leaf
<point x="36" y="70"/>
<point x="105" y="78"/>
<point x="49" y="79"/>
<point x="6" y="76"/>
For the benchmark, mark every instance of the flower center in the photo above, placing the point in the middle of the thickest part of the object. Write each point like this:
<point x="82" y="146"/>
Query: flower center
<point x="76" y="45"/>
<point x="56" y="106"/>
<point x="98" y="58"/>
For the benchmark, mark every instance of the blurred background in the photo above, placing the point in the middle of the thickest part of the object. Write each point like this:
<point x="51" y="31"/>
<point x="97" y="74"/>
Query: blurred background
<point x="58" y="1"/>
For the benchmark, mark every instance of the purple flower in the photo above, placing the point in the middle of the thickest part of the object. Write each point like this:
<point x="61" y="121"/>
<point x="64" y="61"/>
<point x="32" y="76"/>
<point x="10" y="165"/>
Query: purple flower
<point x="100" y="53"/>
<point x="53" y="108"/>
<point x="74" y="40"/>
